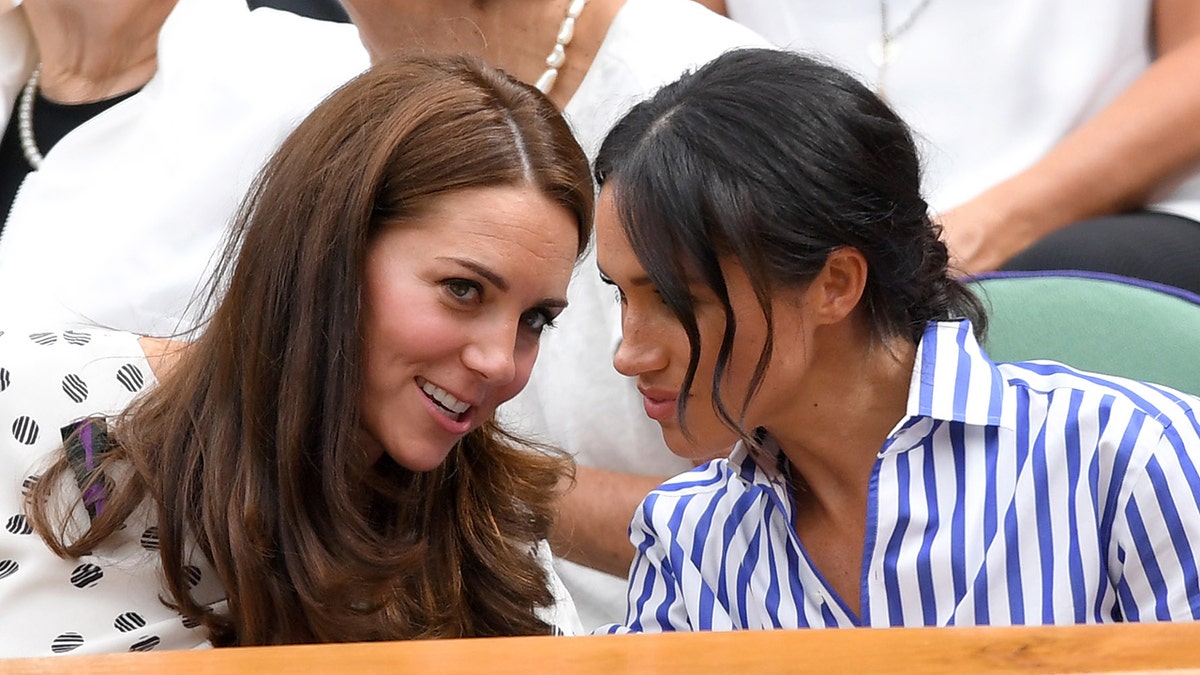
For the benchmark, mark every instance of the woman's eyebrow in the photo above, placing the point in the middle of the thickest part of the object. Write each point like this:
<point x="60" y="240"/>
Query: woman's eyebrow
<point x="482" y="270"/>
<point x="500" y="282"/>
<point x="640" y="280"/>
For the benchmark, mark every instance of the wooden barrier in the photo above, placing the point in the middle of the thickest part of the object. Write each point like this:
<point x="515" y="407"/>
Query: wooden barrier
<point x="1069" y="649"/>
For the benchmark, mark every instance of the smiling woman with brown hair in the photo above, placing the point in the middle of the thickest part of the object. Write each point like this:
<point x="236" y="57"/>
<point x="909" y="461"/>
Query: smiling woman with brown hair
<point x="322" y="463"/>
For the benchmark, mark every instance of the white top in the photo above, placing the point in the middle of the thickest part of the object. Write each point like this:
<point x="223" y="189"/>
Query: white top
<point x="988" y="87"/>
<point x="107" y="601"/>
<point x="119" y="225"/>
<point x="1009" y="494"/>
<point x="575" y="398"/>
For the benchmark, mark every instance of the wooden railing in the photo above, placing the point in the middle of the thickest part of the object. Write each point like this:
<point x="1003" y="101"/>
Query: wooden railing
<point x="1071" y="649"/>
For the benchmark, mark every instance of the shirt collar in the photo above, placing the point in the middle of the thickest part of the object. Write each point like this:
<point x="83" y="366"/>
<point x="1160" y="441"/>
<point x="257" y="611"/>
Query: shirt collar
<point x="765" y="465"/>
<point x="953" y="380"/>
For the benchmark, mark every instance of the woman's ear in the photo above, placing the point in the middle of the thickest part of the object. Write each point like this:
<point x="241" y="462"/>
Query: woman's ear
<point x="836" y="290"/>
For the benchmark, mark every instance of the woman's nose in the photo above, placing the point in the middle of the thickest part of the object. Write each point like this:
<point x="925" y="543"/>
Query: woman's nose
<point x="492" y="354"/>
<point x="638" y="352"/>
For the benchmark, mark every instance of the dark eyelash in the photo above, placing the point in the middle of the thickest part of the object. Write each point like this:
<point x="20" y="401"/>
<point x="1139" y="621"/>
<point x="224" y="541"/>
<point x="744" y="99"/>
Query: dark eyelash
<point x="463" y="283"/>
<point x="547" y="320"/>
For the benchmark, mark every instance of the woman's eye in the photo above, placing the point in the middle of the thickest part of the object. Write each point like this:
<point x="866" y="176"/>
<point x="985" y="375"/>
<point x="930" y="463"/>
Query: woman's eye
<point x="463" y="289"/>
<point x="620" y="295"/>
<point x="538" y="320"/>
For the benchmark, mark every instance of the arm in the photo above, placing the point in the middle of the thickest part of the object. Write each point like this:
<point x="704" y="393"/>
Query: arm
<point x="593" y="521"/>
<point x="717" y="6"/>
<point x="1109" y="164"/>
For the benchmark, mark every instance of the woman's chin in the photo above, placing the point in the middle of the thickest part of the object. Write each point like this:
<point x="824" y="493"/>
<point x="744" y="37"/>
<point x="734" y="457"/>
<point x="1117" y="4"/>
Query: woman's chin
<point x="420" y="461"/>
<point x="696" y="450"/>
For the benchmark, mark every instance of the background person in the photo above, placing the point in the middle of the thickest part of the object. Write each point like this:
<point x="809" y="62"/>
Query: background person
<point x="147" y="121"/>
<point x="1055" y="135"/>
<point x="322" y="463"/>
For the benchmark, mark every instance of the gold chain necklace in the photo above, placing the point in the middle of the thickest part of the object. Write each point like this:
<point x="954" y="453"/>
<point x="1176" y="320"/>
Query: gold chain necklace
<point x="883" y="54"/>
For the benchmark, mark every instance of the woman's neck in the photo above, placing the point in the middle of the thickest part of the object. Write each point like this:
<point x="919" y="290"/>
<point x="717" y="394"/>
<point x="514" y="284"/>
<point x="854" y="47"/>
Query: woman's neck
<point x="91" y="51"/>
<point x="857" y="394"/>
<point x="515" y="35"/>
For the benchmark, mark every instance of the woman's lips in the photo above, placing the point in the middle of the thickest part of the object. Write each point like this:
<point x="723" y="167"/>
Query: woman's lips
<point x="454" y="422"/>
<point x="660" y="405"/>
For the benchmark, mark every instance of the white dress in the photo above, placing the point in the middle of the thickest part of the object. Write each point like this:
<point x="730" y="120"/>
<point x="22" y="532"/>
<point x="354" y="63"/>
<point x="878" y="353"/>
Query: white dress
<point x="107" y="601"/>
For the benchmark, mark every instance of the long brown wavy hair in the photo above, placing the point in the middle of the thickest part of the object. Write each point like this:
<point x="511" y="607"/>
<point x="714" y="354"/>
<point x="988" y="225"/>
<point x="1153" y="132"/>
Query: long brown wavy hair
<point x="248" y="449"/>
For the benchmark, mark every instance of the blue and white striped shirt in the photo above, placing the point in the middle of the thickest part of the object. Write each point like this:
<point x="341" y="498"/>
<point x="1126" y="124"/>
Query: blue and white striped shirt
<point x="1023" y="493"/>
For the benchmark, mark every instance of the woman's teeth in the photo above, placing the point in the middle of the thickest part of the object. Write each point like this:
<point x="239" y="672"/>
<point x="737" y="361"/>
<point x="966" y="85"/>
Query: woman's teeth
<point x="444" y="398"/>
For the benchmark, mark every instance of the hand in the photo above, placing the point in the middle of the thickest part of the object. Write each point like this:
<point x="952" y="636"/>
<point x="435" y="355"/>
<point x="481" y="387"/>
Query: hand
<point x="983" y="234"/>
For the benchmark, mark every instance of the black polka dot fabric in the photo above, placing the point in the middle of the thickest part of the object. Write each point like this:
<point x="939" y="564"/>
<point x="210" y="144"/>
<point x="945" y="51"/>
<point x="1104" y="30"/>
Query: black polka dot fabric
<point x="194" y="575"/>
<point x="75" y="388"/>
<point x="18" y="524"/>
<point x="66" y="642"/>
<point x="129" y="621"/>
<point x="25" y="430"/>
<point x="44" y="339"/>
<point x="145" y="644"/>
<point x="86" y="575"/>
<point x="107" y="601"/>
<point x="149" y="539"/>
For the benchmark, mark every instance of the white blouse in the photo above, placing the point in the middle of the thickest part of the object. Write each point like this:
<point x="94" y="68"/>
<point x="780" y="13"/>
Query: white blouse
<point x="107" y="601"/>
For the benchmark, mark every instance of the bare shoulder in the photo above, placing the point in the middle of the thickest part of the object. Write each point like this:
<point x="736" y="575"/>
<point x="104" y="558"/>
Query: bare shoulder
<point x="162" y="354"/>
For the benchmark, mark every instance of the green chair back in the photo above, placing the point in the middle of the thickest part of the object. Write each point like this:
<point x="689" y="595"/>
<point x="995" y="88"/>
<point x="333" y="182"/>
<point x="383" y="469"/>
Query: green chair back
<point x="1097" y="322"/>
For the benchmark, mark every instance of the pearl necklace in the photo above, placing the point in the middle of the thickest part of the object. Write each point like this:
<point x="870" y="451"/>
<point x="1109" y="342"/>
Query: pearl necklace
<point x="558" y="55"/>
<point x="25" y="120"/>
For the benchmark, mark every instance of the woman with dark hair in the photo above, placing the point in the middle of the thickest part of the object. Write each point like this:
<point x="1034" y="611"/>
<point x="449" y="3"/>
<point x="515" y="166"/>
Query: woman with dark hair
<point x="783" y="288"/>
<point x="321" y="464"/>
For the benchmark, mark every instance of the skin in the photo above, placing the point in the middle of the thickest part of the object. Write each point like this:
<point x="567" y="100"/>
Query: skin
<point x="717" y="6"/>
<point x="457" y="299"/>
<point x="832" y="394"/>
<point x="592" y="527"/>
<point x="162" y="354"/>
<point x="515" y="35"/>
<point x="92" y="51"/>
